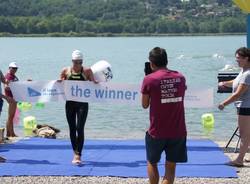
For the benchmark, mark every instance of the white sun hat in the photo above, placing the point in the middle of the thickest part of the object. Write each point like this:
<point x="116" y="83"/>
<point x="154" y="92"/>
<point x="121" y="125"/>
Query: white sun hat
<point x="13" y="65"/>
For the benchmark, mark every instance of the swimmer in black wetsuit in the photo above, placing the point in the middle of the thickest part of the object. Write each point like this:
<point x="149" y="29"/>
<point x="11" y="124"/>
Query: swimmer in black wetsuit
<point x="76" y="112"/>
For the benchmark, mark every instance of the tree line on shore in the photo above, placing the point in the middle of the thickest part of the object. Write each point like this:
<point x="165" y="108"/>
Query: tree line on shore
<point x="116" y="16"/>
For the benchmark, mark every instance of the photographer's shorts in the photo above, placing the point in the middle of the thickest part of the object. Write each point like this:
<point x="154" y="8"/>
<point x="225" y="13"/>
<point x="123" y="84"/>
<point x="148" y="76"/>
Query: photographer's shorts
<point x="243" y="111"/>
<point x="175" y="149"/>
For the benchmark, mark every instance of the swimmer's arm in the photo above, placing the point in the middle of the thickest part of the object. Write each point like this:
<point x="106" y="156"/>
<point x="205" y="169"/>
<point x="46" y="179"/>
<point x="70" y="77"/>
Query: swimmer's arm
<point x="90" y="76"/>
<point x="145" y="101"/>
<point x="63" y="75"/>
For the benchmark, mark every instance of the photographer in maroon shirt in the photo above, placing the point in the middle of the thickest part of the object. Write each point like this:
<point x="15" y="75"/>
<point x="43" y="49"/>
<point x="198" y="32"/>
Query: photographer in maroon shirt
<point x="163" y="91"/>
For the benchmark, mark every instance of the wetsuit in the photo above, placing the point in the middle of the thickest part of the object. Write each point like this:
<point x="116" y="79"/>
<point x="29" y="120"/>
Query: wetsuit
<point x="76" y="113"/>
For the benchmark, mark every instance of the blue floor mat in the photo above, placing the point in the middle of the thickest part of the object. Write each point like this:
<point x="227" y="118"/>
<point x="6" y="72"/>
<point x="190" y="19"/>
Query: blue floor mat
<point x="125" y="158"/>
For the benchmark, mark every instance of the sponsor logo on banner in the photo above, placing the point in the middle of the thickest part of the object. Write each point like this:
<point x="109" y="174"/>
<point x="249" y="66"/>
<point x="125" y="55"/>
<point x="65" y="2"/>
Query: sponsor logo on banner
<point x="37" y="91"/>
<point x="51" y="92"/>
<point x="33" y="92"/>
<point x="44" y="92"/>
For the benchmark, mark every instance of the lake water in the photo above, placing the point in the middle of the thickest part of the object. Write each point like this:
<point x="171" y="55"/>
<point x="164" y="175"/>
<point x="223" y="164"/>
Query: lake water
<point x="198" y="58"/>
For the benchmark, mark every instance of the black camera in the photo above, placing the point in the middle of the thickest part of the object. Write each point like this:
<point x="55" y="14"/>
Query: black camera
<point x="147" y="68"/>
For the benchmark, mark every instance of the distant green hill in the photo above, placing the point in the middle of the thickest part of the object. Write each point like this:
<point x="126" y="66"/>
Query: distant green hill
<point x="90" y="17"/>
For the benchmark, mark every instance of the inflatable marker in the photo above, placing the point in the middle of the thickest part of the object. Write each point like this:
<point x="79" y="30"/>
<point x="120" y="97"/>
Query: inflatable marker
<point x="29" y="122"/>
<point x="208" y="123"/>
<point x="40" y="105"/>
<point x="207" y="120"/>
<point x="19" y="105"/>
<point x="24" y="106"/>
<point x="102" y="71"/>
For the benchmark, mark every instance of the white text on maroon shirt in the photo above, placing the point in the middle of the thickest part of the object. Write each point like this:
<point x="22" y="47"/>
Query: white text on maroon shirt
<point x="169" y="90"/>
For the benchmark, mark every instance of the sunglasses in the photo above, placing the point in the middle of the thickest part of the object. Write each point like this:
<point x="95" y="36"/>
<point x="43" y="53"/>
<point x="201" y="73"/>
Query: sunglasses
<point x="79" y="62"/>
<point x="14" y="68"/>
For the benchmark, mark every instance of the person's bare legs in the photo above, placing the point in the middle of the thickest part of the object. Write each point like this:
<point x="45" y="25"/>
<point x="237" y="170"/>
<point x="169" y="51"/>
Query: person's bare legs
<point x="169" y="173"/>
<point x="244" y="128"/>
<point x="153" y="173"/>
<point x="9" y="123"/>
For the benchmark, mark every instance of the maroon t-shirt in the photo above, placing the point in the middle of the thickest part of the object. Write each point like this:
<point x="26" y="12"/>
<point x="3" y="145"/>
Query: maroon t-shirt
<point x="166" y="89"/>
<point x="12" y="78"/>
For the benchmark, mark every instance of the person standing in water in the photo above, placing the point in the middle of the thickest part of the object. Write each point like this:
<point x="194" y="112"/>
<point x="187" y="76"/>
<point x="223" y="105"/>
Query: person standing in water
<point x="76" y="112"/>
<point x="11" y="77"/>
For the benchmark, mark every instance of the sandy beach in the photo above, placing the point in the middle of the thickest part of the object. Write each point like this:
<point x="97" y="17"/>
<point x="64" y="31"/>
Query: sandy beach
<point x="243" y="173"/>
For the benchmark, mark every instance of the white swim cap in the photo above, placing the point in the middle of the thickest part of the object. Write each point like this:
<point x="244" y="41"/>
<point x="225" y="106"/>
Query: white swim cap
<point x="77" y="55"/>
<point x="13" y="65"/>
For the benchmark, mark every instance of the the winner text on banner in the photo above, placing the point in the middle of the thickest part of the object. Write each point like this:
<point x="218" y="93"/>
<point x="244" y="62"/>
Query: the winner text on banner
<point x="103" y="92"/>
<point x="84" y="91"/>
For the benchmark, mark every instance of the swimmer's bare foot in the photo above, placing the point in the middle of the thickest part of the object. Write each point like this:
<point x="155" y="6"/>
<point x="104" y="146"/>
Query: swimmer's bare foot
<point x="76" y="160"/>
<point x="2" y="159"/>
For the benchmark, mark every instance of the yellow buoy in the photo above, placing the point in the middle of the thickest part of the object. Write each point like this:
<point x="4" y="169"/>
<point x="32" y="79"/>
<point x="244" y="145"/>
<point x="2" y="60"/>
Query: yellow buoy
<point x="24" y="106"/>
<point x="28" y="132"/>
<point x="207" y="120"/>
<point x="29" y="122"/>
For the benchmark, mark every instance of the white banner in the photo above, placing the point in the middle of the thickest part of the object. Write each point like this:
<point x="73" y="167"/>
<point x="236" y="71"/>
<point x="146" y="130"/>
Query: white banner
<point x="199" y="98"/>
<point x="84" y="91"/>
